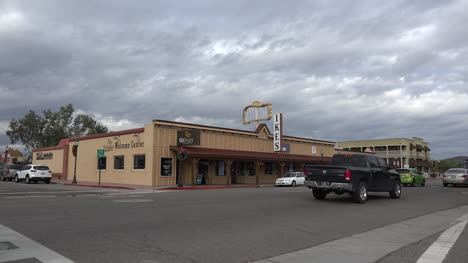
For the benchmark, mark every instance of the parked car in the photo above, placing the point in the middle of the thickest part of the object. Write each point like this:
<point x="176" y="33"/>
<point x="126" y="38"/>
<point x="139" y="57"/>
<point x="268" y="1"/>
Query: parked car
<point x="411" y="176"/>
<point x="34" y="173"/>
<point x="455" y="176"/>
<point x="8" y="171"/>
<point x="291" y="178"/>
<point x="356" y="174"/>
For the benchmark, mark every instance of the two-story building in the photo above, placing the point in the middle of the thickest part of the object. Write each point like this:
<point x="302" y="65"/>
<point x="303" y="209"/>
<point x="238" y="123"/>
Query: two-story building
<point x="399" y="152"/>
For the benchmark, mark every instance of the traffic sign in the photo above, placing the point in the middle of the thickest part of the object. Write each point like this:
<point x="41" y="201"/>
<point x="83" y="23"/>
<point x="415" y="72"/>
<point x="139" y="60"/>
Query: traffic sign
<point x="101" y="153"/>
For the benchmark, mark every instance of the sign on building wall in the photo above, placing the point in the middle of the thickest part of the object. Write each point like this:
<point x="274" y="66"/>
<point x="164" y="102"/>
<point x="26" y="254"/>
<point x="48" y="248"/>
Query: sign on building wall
<point x="277" y="132"/>
<point x="44" y="156"/>
<point x="166" y="166"/>
<point x="188" y="137"/>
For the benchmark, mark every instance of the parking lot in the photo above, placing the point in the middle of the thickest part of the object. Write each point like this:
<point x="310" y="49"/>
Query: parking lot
<point x="223" y="225"/>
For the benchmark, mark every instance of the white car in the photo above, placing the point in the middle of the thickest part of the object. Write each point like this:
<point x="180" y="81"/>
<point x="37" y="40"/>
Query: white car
<point x="291" y="178"/>
<point x="34" y="173"/>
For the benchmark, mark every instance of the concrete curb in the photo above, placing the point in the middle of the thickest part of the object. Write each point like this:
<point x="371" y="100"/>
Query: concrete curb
<point x="209" y="187"/>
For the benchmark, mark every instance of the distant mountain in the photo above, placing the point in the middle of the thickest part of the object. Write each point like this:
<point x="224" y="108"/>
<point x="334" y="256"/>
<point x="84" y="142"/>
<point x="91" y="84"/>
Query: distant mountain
<point x="457" y="159"/>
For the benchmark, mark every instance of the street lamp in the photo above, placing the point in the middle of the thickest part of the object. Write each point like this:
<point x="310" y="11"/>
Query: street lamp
<point x="75" y="153"/>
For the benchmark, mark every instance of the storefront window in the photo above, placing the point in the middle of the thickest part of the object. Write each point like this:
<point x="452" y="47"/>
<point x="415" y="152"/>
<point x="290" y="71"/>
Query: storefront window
<point x="268" y="168"/>
<point x="245" y="168"/>
<point x="291" y="167"/>
<point x="118" y="162"/>
<point x="166" y="166"/>
<point x="102" y="163"/>
<point x="139" y="161"/>
<point x="220" y="168"/>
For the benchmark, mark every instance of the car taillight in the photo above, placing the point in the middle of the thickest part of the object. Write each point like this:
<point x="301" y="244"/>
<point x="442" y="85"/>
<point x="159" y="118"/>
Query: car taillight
<point x="410" y="174"/>
<point x="444" y="175"/>
<point x="7" y="171"/>
<point x="305" y="172"/>
<point x="347" y="175"/>
<point x="465" y="176"/>
<point x="33" y="171"/>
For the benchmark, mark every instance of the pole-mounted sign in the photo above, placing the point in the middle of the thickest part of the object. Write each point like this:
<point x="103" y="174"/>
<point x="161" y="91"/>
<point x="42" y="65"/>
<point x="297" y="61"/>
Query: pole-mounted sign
<point x="278" y="132"/>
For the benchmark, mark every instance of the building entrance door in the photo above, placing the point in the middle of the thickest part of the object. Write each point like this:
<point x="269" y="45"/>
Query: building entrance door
<point x="202" y="171"/>
<point x="234" y="171"/>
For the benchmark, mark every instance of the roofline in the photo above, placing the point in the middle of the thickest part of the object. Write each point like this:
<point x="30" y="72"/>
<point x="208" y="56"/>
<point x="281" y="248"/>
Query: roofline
<point x="101" y="135"/>
<point x="422" y="140"/>
<point x="221" y="129"/>
<point x="51" y="148"/>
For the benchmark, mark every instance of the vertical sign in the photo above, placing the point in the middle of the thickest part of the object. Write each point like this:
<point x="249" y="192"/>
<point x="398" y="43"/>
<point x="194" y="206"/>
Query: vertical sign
<point x="278" y="132"/>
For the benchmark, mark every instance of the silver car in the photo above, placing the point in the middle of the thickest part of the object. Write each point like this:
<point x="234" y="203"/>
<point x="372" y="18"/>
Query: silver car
<point x="8" y="171"/>
<point x="455" y="176"/>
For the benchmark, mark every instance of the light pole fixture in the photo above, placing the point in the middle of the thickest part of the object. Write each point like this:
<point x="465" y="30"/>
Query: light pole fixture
<point x="75" y="153"/>
<point x="439" y="167"/>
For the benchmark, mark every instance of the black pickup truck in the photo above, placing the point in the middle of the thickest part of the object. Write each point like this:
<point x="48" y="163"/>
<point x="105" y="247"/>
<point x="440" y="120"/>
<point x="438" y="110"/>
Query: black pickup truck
<point x="356" y="174"/>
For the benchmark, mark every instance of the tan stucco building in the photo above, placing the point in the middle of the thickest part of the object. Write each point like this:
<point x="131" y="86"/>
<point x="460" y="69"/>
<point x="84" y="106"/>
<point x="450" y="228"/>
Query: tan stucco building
<point x="400" y="152"/>
<point x="166" y="153"/>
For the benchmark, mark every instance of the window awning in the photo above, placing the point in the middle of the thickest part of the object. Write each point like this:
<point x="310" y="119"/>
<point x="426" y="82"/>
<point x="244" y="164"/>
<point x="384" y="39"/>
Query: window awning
<point x="261" y="156"/>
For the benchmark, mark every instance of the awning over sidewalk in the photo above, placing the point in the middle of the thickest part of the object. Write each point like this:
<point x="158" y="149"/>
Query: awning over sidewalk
<point x="262" y="156"/>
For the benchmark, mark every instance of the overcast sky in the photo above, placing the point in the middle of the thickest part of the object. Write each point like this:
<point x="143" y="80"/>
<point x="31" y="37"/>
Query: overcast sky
<point x="337" y="70"/>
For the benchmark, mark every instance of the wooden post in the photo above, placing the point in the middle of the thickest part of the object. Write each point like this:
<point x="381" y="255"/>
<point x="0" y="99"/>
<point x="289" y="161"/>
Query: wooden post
<point x="282" y="165"/>
<point x="194" y="170"/>
<point x="258" y="165"/>
<point x="300" y="167"/>
<point x="228" y="171"/>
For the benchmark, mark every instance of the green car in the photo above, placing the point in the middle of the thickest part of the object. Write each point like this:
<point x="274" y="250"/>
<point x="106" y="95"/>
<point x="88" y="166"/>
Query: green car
<point x="411" y="176"/>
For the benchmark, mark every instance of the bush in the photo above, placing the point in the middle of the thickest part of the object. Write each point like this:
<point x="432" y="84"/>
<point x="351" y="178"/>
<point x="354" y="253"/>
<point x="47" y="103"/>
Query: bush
<point x="434" y="175"/>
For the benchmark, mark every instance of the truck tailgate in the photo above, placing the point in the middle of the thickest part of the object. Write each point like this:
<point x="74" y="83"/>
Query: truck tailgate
<point x="326" y="173"/>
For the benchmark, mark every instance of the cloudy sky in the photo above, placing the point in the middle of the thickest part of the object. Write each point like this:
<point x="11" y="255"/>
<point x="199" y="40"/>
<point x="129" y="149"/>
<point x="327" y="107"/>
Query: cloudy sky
<point x="337" y="70"/>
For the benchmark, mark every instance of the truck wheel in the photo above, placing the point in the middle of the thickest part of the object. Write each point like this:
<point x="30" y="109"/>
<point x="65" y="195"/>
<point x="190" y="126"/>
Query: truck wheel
<point x="360" y="196"/>
<point x="396" y="192"/>
<point x="2" y="178"/>
<point x="319" y="194"/>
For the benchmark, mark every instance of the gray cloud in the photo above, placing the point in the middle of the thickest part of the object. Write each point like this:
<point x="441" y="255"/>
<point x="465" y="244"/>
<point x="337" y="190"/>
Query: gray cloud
<point x="337" y="71"/>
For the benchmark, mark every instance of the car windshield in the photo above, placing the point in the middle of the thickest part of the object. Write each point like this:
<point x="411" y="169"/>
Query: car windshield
<point x="402" y="171"/>
<point x="456" y="171"/>
<point x="41" y="167"/>
<point x="349" y="160"/>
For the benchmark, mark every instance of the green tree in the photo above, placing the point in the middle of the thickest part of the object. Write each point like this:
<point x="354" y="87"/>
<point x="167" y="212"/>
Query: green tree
<point x="35" y="131"/>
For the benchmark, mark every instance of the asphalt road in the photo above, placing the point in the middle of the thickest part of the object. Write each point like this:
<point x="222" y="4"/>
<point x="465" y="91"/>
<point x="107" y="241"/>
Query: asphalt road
<point x="224" y="225"/>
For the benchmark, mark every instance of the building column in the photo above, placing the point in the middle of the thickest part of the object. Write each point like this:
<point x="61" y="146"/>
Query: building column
<point x="228" y="171"/>
<point x="300" y="167"/>
<point x="388" y="162"/>
<point x="282" y="165"/>
<point x="258" y="165"/>
<point x="194" y="170"/>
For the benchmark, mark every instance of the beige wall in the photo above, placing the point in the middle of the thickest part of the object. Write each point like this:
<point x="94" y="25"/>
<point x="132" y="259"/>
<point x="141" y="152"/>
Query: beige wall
<point x="55" y="164"/>
<point x="86" y="169"/>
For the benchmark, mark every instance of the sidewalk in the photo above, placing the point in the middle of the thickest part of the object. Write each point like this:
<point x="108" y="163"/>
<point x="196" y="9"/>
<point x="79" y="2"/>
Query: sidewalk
<point x="149" y="188"/>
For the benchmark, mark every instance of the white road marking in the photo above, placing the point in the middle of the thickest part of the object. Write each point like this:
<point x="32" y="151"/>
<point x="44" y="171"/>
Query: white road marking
<point x="27" y="248"/>
<point x="56" y="192"/>
<point x="439" y="249"/>
<point x="28" y="196"/>
<point x="378" y="242"/>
